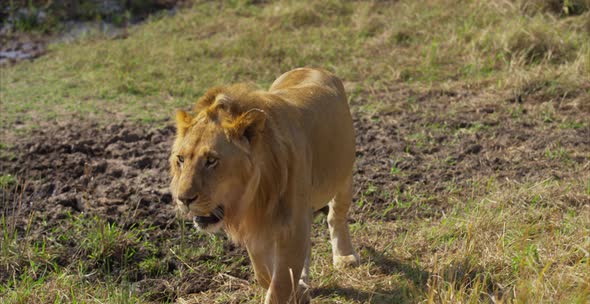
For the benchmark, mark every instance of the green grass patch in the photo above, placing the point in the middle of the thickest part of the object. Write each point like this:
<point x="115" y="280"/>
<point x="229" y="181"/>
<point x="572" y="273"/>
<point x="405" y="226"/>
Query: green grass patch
<point x="168" y="62"/>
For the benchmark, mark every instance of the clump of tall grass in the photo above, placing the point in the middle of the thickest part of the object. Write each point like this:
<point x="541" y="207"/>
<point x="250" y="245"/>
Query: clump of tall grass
<point x="557" y="7"/>
<point x="538" y="44"/>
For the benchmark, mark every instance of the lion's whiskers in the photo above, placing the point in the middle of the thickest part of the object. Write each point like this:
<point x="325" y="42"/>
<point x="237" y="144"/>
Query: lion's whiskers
<point x="218" y="212"/>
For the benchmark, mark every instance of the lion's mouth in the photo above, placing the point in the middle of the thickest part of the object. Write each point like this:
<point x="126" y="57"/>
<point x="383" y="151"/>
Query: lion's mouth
<point x="214" y="218"/>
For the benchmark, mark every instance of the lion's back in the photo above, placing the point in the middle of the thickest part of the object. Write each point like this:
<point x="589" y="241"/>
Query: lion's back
<point x="327" y="124"/>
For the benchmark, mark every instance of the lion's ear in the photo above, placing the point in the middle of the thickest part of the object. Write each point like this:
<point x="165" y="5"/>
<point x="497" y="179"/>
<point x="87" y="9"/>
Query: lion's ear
<point x="249" y="125"/>
<point x="183" y="120"/>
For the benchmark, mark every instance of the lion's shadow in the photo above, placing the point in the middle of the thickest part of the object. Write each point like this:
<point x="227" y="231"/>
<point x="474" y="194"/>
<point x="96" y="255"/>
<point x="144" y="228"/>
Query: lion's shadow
<point x="402" y="293"/>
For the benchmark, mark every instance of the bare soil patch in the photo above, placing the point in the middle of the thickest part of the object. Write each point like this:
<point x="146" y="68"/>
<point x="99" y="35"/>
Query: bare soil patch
<point x="116" y="171"/>
<point x="427" y="147"/>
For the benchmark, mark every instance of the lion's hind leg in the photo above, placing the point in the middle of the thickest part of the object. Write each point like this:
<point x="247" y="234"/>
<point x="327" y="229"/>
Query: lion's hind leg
<point x="343" y="253"/>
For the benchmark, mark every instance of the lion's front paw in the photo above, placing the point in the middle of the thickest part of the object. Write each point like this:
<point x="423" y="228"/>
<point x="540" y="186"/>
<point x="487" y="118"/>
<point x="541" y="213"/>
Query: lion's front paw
<point x="303" y="293"/>
<point x="343" y="261"/>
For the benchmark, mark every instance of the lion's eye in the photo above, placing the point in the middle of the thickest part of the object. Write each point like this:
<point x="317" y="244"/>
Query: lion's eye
<point x="179" y="160"/>
<point x="211" y="162"/>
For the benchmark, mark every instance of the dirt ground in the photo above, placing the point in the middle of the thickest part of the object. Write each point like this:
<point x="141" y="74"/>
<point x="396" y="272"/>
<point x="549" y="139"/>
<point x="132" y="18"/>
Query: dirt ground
<point x="421" y="149"/>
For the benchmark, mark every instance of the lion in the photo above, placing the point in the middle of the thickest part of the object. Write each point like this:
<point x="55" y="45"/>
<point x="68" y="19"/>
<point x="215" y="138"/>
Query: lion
<point x="259" y="164"/>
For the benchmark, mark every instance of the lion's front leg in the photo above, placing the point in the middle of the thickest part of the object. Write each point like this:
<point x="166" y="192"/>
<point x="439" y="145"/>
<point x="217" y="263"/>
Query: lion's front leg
<point x="290" y="252"/>
<point x="278" y="266"/>
<point x="262" y="262"/>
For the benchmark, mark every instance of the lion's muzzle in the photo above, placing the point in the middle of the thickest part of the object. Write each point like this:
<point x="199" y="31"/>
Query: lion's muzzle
<point x="186" y="200"/>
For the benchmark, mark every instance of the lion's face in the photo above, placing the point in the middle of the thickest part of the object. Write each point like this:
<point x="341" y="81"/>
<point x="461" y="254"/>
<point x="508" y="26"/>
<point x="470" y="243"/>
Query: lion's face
<point x="213" y="170"/>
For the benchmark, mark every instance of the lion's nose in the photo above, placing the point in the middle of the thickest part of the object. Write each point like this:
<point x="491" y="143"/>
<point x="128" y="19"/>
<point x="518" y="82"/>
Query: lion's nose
<point x="185" y="200"/>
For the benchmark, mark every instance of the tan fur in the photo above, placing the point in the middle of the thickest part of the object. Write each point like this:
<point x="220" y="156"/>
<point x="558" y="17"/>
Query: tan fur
<point x="282" y="154"/>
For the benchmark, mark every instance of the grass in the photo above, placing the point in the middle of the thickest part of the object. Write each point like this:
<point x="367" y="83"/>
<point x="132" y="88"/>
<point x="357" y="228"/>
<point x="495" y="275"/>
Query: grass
<point x="462" y="71"/>
<point x="471" y="254"/>
<point x="7" y="180"/>
<point x="169" y="62"/>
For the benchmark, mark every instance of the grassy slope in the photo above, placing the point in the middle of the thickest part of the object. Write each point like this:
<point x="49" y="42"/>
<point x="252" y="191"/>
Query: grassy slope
<point x="169" y="62"/>
<point x="517" y="240"/>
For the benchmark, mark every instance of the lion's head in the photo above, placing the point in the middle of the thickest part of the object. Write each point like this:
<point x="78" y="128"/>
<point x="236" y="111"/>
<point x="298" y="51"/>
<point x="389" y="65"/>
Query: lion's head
<point x="214" y="165"/>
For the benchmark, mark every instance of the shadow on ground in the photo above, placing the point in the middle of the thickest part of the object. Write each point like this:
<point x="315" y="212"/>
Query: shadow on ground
<point x="413" y="282"/>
